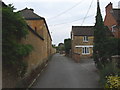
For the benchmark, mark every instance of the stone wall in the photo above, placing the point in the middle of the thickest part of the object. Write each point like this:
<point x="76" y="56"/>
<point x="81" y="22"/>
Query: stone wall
<point x="42" y="48"/>
<point x="78" y="40"/>
<point x="39" y="37"/>
<point x="116" y="60"/>
<point x="35" y="58"/>
<point x="37" y="25"/>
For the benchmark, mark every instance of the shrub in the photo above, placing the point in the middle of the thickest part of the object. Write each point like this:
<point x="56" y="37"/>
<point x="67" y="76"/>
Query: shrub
<point x="108" y="70"/>
<point x="14" y="28"/>
<point x="112" y="82"/>
<point x="67" y="45"/>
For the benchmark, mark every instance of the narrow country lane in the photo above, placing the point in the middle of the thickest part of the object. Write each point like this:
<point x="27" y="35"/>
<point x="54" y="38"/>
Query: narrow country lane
<point x="63" y="72"/>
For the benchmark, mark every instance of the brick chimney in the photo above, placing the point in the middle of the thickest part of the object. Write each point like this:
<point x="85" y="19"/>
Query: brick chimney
<point x="109" y="8"/>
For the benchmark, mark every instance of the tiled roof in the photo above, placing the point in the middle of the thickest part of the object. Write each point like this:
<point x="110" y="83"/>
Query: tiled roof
<point x="29" y="14"/>
<point x="116" y="14"/>
<point x="82" y="30"/>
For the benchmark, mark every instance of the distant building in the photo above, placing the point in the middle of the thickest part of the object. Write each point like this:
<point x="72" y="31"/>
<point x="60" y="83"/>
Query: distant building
<point x="112" y="20"/>
<point x="61" y="44"/>
<point x="61" y="48"/>
<point x="82" y="41"/>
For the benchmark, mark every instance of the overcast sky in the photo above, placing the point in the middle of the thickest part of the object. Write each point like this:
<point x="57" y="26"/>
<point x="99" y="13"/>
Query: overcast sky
<point x="61" y="15"/>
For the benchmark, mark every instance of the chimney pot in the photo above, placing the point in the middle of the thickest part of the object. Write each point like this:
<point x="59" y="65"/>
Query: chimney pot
<point x="31" y="9"/>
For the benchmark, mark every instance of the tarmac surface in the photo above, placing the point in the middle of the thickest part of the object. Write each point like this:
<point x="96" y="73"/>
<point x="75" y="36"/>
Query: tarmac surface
<point x="63" y="72"/>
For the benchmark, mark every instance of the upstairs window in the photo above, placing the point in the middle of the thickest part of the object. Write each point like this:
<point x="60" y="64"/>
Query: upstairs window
<point x="85" y="39"/>
<point x="113" y="28"/>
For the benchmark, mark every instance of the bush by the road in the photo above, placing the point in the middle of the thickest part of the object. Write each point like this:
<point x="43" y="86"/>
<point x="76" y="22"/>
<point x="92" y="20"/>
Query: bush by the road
<point x="106" y="73"/>
<point x="113" y="82"/>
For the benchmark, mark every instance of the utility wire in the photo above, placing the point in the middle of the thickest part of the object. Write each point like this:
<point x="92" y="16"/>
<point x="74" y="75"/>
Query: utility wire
<point x="65" y="11"/>
<point x="71" y="21"/>
<point x="87" y="12"/>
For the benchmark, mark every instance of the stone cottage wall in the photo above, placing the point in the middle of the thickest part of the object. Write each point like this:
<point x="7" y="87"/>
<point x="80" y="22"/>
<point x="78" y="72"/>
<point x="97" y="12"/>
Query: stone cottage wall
<point x="42" y="48"/>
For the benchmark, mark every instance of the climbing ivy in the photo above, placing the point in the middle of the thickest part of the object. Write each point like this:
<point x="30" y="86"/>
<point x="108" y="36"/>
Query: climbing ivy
<point x="14" y="28"/>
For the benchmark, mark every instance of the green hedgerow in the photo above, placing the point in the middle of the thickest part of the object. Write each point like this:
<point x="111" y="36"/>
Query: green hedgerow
<point x="14" y="28"/>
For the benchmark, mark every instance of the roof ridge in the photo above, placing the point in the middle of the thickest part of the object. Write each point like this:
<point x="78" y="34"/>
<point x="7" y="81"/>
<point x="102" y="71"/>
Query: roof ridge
<point x="29" y="14"/>
<point x="83" y="31"/>
<point x="109" y="4"/>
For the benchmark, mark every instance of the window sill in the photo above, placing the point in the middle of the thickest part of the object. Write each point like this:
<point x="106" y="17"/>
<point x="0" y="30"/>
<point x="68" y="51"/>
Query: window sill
<point x="85" y="41"/>
<point x="85" y="53"/>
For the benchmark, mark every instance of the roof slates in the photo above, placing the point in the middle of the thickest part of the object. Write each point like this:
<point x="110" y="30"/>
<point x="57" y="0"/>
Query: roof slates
<point x="29" y="14"/>
<point x="83" y="30"/>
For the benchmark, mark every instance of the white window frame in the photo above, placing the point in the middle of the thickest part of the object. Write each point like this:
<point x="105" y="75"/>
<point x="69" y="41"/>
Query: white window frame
<point x="85" y="50"/>
<point x="77" y="46"/>
<point x="85" y="39"/>
<point x="113" y="28"/>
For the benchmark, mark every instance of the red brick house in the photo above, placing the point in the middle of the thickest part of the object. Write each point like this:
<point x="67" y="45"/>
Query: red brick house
<point x="112" y="19"/>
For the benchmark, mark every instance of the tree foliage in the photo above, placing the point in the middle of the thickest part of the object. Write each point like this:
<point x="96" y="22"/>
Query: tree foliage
<point x="99" y="39"/>
<point x="104" y="45"/>
<point x="108" y="70"/>
<point x="67" y="44"/>
<point x="14" y="28"/>
<point x="60" y="48"/>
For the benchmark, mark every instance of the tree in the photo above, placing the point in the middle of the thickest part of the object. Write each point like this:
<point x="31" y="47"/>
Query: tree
<point x="14" y="28"/>
<point x="104" y="45"/>
<point x="112" y="46"/>
<point x="67" y="44"/>
<point x="60" y="48"/>
<point x="53" y="45"/>
<point x="99" y="40"/>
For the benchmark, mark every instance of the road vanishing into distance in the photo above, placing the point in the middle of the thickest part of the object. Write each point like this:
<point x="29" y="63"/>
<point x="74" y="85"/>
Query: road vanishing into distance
<point x="63" y="72"/>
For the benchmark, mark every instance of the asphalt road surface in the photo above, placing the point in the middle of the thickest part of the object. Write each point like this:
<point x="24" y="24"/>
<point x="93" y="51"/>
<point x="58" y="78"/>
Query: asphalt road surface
<point x="63" y="72"/>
